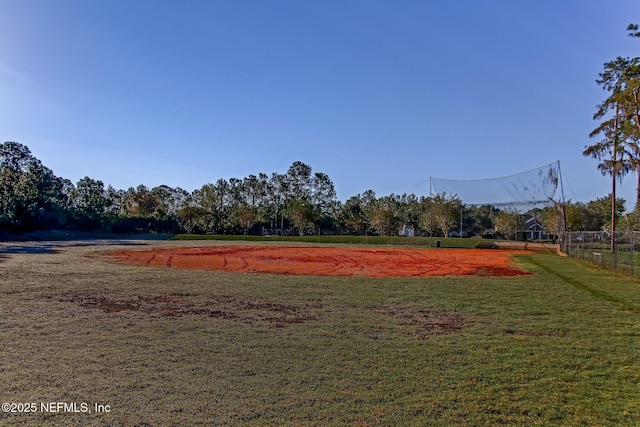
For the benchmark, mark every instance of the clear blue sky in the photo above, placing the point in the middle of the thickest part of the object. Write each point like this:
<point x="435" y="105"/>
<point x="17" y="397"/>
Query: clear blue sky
<point x="377" y="94"/>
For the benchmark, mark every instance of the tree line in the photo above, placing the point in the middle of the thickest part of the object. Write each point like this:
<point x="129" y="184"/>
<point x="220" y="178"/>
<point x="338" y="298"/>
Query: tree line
<point x="299" y="201"/>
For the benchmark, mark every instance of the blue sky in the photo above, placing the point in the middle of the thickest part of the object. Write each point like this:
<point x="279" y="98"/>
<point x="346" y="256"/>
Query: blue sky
<point x="379" y="95"/>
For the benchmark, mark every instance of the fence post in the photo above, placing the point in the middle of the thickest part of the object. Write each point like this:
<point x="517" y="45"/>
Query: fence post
<point x="615" y="253"/>
<point x="633" y="243"/>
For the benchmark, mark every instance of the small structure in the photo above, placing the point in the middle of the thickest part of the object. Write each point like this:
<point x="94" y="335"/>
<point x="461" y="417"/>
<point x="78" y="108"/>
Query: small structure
<point x="406" y="231"/>
<point x="533" y="227"/>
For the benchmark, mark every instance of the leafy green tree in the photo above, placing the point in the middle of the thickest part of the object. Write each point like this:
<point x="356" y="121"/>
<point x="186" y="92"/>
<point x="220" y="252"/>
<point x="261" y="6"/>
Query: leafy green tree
<point x="303" y="215"/>
<point x="91" y="203"/>
<point x="409" y="211"/>
<point x="277" y="189"/>
<point x="299" y="181"/>
<point x="508" y="223"/>
<point x="30" y="193"/>
<point x="148" y="203"/>
<point x="631" y="221"/>
<point x="352" y="217"/>
<point x="444" y="212"/>
<point x="322" y="192"/>
<point x="247" y="216"/>
<point x="631" y="97"/>
<point x="598" y="213"/>
<point x="214" y="199"/>
<point x="426" y="219"/>
<point x="618" y="150"/>
<point x="190" y="218"/>
<point x="478" y="219"/>
<point x="577" y="217"/>
<point x="610" y="150"/>
<point x="254" y="190"/>
<point x="569" y="216"/>
<point x="384" y="216"/>
<point x="127" y="199"/>
<point x="307" y="195"/>
<point x="163" y="203"/>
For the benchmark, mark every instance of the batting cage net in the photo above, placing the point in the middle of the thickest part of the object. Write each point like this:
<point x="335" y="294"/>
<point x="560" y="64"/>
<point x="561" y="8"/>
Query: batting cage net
<point x="521" y="192"/>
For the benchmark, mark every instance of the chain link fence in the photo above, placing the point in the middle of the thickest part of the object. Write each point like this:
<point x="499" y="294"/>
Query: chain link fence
<point x="596" y="247"/>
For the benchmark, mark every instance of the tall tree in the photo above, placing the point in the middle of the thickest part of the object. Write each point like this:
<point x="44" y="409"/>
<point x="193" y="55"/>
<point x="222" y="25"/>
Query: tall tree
<point x="214" y="200"/>
<point x="91" y="203"/>
<point x="299" y="180"/>
<point x="28" y="189"/>
<point x="277" y="188"/>
<point x="631" y="95"/>
<point x="352" y="218"/>
<point x="614" y="112"/>
<point x="323" y="193"/>
<point x="147" y="201"/>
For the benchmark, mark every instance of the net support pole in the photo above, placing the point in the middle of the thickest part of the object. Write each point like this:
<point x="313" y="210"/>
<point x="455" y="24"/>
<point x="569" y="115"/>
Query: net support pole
<point x="431" y="212"/>
<point x="563" y="235"/>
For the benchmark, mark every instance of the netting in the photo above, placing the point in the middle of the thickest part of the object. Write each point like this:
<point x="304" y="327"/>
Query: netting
<point x="520" y="192"/>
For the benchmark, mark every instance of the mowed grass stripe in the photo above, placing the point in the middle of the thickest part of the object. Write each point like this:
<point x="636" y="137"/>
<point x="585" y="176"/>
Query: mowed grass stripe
<point x="532" y="350"/>
<point x="547" y="264"/>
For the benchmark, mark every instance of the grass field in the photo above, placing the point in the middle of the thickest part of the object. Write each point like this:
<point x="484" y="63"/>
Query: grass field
<point x="186" y="347"/>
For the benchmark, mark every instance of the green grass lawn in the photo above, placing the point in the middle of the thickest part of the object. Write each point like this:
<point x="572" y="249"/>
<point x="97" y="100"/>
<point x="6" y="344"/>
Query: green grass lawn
<point x="171" y="347"/>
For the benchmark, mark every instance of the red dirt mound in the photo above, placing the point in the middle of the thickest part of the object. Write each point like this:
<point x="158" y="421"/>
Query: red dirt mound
<point x="329" y="261"/>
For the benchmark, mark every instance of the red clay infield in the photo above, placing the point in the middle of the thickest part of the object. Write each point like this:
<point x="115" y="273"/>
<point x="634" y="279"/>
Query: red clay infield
<point x="330" y="261"/>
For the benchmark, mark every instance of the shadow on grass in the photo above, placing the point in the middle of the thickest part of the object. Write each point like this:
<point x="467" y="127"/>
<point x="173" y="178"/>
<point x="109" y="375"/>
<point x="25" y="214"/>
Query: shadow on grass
<point x="597" y="293"/>
<point x="28" y="249"/>
<point x="55" y="247"/>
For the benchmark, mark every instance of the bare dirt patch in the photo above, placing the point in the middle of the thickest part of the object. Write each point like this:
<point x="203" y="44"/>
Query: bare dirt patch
<point x="423" y="323"/>
<point x="248" y="311"/>
<point x="329" y="261"/>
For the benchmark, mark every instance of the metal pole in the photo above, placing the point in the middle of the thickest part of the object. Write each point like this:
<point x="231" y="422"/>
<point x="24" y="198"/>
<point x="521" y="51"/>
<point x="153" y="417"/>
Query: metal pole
<point x="431" y="211"/>
<point x="633" y="243"/>
<point x="564" y="217"/>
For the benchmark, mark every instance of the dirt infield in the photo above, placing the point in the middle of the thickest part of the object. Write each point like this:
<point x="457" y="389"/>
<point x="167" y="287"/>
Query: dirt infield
<point x="329" y="261"/>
